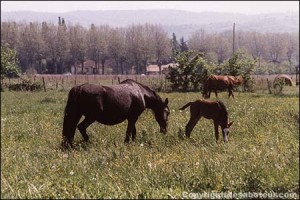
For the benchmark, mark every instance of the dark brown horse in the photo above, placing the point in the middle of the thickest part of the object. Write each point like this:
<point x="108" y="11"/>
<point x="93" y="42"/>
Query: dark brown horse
<point x="214" y="110"/>
<point x="220" y="82"/>
<point x="111" y="105"/>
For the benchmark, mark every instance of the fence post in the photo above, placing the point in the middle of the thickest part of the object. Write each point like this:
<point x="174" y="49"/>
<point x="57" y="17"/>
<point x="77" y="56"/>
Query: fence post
<point x="44" y="84"/>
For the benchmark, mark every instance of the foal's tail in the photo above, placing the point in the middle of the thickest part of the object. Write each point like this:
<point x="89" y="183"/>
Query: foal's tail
<point x="186" y="105"/>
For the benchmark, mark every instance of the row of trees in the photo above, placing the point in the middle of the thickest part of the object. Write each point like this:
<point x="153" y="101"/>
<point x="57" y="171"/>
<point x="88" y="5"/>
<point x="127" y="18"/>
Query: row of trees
<point x="274" y="52"/>
<point x="50" y="48"/>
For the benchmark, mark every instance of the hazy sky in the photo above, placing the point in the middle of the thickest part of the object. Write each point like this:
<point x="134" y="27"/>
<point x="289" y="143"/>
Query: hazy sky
<point x="246" y="7"/>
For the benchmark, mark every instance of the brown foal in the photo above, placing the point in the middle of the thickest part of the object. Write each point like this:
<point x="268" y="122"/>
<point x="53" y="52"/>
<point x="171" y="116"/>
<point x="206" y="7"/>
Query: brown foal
<point x="214" y="110"/>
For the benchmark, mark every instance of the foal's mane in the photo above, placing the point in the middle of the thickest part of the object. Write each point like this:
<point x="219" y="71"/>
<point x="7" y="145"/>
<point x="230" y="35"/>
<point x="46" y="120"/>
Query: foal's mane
<point x="224" y="110"/>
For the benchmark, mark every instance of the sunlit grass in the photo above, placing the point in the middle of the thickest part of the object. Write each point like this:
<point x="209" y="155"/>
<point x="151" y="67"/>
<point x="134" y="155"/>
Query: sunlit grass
<point x="262" y="155"/>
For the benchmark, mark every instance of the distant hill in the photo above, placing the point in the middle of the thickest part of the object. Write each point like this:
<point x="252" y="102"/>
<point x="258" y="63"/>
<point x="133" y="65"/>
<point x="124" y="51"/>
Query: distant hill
<point x="183" y="23"/>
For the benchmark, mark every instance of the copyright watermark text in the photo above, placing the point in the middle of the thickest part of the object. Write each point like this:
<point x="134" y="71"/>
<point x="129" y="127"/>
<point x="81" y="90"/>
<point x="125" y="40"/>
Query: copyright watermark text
<point x="240" y="195"/>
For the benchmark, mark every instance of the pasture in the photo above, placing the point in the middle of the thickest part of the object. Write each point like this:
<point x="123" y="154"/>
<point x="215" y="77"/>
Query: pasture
<point x="261" y="156"/>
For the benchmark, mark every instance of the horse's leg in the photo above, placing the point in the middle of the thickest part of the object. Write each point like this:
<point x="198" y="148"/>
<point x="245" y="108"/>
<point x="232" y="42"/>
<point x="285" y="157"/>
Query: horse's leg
<point x="130" y="127"/>
<point x="83" y="126"/>
<point x="191" y="124"/>
<point x="230" y="92"/>
<point x="69" y="127"/>
<point x="216" y="125"/>
<point x="133" y="133"/>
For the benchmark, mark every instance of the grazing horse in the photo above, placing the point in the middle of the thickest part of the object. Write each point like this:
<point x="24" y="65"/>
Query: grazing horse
<point x="214" y="110"/>
<point x="217" y="82"/>
<point x="237" y="80"/>
<point x="282" y="77"/>
<point x="111" y="105"/>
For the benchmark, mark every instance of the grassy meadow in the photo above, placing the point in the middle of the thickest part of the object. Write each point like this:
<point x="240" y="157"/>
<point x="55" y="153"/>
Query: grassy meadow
<point x="261" y="156"/>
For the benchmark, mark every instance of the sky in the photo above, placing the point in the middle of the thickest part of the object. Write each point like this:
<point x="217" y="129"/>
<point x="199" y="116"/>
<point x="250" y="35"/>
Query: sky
<point x="245" y="7"/>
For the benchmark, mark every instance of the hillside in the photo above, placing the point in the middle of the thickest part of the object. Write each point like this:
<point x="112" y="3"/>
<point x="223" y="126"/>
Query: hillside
<point x="181" y="22"/>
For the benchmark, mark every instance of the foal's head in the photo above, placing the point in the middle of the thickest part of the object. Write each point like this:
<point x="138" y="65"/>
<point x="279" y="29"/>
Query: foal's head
<point x="161" y="113"/>
<point x="225" y="130"/>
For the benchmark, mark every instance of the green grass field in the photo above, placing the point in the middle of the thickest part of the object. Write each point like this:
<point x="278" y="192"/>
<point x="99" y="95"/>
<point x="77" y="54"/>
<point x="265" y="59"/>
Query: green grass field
<point x="261" y="156"/>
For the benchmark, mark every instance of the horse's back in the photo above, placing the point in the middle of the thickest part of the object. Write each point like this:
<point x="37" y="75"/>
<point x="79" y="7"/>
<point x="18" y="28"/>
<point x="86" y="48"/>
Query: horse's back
<point x="208" y="109"/>
<point x="109" y="104"/>
<point x="217" y="81"/>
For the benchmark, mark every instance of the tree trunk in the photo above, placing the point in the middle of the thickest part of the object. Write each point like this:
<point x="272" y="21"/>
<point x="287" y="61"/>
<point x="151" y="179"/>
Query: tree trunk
<point x="121" y="66"/>
<point x="103" y="62"/>
<point x="82" y="65"/>
<point x="55" y="67"/>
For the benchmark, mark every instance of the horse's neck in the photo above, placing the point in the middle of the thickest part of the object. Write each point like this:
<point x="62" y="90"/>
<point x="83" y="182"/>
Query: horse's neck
<point x="150" y="100"/>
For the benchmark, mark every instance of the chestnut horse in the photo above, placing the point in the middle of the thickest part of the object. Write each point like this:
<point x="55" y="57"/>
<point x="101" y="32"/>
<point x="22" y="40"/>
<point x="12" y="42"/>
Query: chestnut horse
<point x="220" y="82"/>
<point x="214" y="110"/>
<point x="111" y="105"/>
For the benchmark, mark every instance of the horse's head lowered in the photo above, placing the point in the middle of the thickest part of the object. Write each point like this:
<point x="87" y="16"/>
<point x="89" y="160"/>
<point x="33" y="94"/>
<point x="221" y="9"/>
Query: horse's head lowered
<point x="225" y="130"/>
<point x="161" y="113"/>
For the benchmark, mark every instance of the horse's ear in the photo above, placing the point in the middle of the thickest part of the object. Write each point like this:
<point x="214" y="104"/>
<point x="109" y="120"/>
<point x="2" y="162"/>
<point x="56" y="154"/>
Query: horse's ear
<point x="166" y="101"/>
<point x="230" y="124"/>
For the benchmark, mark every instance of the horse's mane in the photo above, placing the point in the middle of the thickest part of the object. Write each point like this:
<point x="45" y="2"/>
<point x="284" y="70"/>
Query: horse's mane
<point x="143" y="86"/>
<point x="224" y="110"/>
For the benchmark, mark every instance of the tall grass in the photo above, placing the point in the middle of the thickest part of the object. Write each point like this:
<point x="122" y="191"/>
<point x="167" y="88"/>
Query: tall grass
<point x="261" y="156"/>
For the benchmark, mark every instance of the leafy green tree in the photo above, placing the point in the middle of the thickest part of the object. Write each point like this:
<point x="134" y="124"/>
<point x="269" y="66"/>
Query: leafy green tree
<point x="175" y="47"/>
<point x="9" y="63"/>
<point x="239" y="64"/>
<point x="183" y="45"/>
<point x="192" y="70"/>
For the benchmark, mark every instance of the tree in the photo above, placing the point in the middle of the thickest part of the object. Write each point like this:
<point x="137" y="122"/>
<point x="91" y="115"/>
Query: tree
<point x="191" y="71"/>
<point x="104" y="35"/>
<point x="134" y="47"/>
<point x="9" y="34"/>
<point x="31" y="46"/>
<point x="237" y="65"/>
<point x="78" y="45"/>
<point x="9" y="63"/>
<point x="162" y="48"/>
<point x="93" y="45"/>
<point x="183" y="45"/>
<point x="116" y="49"/>
<point x="62" y="46"/>
<point x="175" y="47"/>
<point x="291" y="48"/>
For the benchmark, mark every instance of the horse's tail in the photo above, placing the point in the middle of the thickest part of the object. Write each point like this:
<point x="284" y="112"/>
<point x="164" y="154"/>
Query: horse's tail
<point x="186" y="105"/>
<point x="71" y="118"/>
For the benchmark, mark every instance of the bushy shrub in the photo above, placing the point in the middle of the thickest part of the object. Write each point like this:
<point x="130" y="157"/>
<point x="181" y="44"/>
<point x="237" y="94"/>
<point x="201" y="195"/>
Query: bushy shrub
<point x="192" y="70"/>
<point x="26" y="85"/>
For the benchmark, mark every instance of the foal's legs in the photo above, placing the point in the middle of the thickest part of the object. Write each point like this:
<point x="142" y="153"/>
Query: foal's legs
<point x="191" y="124"/>
<point x="216" y="93"/>
<point x="83" y="126"/>
<point x="216" y="124"/>
<point x="230" y="92"/>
